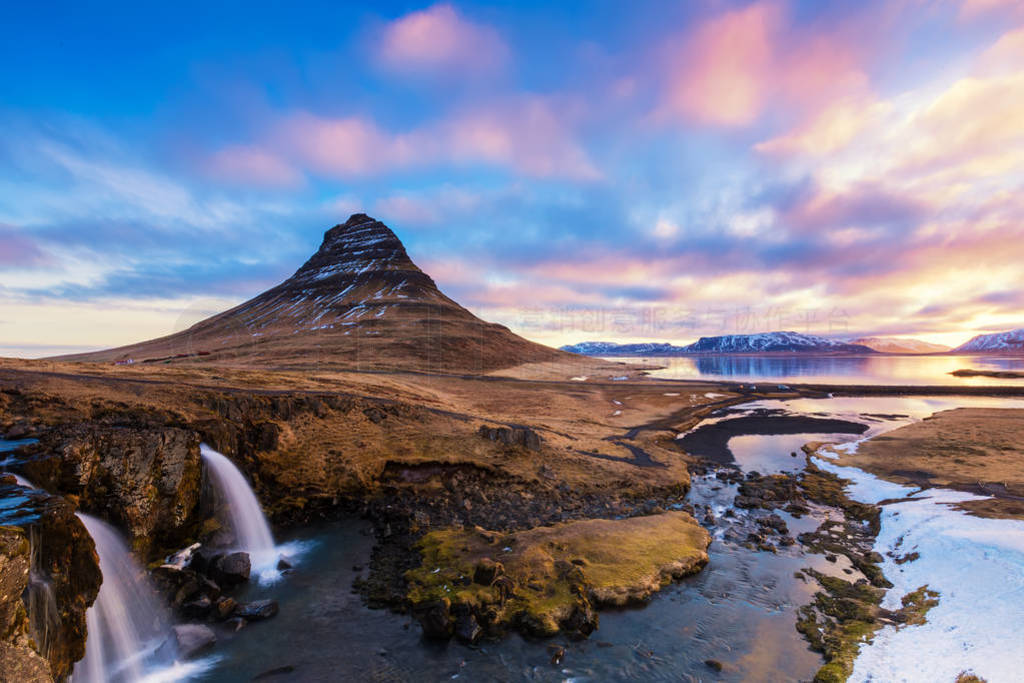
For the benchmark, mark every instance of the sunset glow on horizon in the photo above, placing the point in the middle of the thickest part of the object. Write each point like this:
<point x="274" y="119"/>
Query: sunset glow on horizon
<point x="655" y="172"/>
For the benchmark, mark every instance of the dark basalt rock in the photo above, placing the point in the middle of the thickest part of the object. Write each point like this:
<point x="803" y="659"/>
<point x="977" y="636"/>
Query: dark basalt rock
<point x="435" y="619"/>
<point x="231" y="569"/>
<point x="467" y="629"/>
<point x="512" y="436"/>
<point x="258" y="610"/>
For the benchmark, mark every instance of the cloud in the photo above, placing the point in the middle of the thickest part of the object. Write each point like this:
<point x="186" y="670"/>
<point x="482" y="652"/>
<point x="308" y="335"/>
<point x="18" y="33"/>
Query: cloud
<point x="17" y="249"/>
<point x="731" y="68"/>
<point x="439" y="40"/>
<point x="530" y="135"/>
<point x="249" y="165"/>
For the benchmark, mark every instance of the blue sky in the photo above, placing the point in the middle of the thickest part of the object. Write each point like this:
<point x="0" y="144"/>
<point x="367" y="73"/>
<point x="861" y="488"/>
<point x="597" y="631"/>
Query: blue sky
<point x="576" y="171"/>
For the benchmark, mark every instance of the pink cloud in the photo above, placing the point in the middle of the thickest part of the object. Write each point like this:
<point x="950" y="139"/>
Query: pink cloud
<point x="251" y="165"/>
<point x="734" y="66"/>
<point x="971" y="9"/>
<point x="530" y="135"/>
<point x="439" y="39"/>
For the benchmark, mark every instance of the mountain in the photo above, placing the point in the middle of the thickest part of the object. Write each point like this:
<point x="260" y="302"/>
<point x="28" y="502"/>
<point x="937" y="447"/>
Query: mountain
<point x="599" y="348"/>
<point x="767" y="342"/>
<point x="895" y="345"/>
<point x="358" y="302"/>
<point x="1000" y="341"/>
<point x="772" y="342"/>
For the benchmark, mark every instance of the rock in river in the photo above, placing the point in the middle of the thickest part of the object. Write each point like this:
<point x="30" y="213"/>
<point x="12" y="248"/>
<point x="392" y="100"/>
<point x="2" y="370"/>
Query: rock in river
<point x="193" y="639"/>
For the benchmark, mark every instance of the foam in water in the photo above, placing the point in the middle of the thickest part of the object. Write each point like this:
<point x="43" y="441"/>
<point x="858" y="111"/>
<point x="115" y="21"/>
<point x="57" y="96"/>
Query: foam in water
<point x="244" y="514"/>
<point x="128" y="628"/>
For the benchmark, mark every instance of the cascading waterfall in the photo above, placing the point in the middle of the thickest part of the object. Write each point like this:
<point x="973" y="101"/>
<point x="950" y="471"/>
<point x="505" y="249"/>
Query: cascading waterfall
<point x="128" y="628"/>
<point x="243" y="511"/>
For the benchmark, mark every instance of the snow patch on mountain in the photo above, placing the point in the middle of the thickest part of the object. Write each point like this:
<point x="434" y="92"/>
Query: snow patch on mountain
<point x="1000" y="341"/>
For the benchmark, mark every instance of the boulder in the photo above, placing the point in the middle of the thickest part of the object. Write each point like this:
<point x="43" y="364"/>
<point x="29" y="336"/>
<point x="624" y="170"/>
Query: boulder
<point x="231" y="569"/>
<point x="225" y="607"/>
<point x="258" y="610"/>
<point x="486" y="571"/>
<point x="193" y="639"/>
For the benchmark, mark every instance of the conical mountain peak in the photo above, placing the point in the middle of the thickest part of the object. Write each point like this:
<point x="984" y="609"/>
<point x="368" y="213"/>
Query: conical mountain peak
<point x="358" y="301"/>
<point x="360" y="248"/>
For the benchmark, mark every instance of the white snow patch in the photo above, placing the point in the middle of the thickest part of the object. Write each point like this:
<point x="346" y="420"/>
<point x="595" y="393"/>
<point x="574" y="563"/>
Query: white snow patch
<point x="581" y="378"/>
<point x="671" y="393"/>
<point x="975" y="564"/>
<point x="712" y="394"/>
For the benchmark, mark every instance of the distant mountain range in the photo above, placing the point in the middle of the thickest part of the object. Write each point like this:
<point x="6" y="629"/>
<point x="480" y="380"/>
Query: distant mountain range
<point x="795" y="342"/>
<point x="896" y="345"/>
<point x="766" y="342"/>
<point x="999" y="341"/>
<point x="358" y="302"/>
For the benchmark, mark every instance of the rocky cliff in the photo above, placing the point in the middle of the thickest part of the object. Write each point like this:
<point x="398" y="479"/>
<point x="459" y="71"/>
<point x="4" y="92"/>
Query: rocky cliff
<point x="143" y="479"/>
<point x="49" y="576"/>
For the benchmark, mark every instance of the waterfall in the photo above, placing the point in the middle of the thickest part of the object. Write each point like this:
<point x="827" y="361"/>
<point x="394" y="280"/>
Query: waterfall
<point x="44" y="616"/>
<point x="243" y="511"/>
<point x="127" y="624"/>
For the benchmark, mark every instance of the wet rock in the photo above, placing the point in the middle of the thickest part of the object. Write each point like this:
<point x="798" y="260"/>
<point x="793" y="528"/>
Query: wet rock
<point x="224" y="607"/>
<point x="198" y="608"/>
<point x="467" y="629"/>
<point x="713" y="664"/>
<point x="283" y="563"/>
<point x="201" y="560"/>
<point x="557" y="653"/>
<point x="231" y="569"/>
<point x="257" y="610"/>
<point x="435" y="618"/>
<point x="276" y="671"/>
<point x="193" y="639"/>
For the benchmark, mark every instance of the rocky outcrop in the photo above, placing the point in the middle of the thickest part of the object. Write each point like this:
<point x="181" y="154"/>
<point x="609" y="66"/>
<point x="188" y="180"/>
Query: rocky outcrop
<point x="146" y="480"/>
<point x="512" y="436"/>
<point x="43" y="543"/>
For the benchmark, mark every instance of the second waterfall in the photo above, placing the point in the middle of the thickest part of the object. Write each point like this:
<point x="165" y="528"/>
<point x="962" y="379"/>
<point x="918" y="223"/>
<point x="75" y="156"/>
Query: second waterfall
<point x="242" y="511"/>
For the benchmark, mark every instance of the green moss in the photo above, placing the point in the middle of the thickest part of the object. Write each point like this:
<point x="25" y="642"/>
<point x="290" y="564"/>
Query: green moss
<point x="550" y="577"/>
<point x="850" y="614"/>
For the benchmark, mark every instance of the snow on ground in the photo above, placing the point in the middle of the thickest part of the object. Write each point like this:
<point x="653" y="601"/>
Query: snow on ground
<point x="976" y="565"/>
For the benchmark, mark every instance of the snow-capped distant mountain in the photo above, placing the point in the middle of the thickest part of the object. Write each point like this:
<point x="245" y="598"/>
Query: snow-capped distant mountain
<point x="999" y="341"/>
<point x="599" y="348"/>
<point x="768" y="342"/>
<point x="896" y="345"/>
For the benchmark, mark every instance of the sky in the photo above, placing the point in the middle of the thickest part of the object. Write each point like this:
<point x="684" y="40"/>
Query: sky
<point x="587" y="170"/>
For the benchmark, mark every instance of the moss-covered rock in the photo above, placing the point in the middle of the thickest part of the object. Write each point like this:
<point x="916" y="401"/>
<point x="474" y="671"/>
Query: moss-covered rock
<point x="550" y="579"/>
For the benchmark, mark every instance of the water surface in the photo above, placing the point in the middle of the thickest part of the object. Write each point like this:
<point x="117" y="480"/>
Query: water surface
<point x="874" y="369"/>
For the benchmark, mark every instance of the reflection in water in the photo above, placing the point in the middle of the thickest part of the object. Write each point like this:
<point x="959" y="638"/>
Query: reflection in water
<point x="879" y="369"/>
